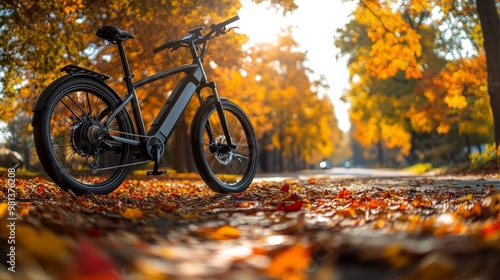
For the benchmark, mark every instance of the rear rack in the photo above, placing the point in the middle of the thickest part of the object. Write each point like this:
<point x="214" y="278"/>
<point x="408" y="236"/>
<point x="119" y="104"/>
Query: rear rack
<point x="73" y="69"/>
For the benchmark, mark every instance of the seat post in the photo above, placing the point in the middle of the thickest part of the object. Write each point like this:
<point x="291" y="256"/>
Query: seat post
<point x="126" y="68"/>
<point x="131" y="90"/>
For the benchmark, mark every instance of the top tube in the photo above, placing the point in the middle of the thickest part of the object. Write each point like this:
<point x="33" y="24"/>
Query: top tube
<point x="186" y="68"/>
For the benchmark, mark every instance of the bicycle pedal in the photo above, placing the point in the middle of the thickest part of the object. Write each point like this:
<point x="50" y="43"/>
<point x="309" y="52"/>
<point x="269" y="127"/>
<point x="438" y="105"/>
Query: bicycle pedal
<point x="158" y="172"/>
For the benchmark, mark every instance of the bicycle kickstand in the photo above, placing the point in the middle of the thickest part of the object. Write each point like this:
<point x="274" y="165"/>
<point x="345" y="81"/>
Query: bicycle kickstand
<point x="157" y="163"/>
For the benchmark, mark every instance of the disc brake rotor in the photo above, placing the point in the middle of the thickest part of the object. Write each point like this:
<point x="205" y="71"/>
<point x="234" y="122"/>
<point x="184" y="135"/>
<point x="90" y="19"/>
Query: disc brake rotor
<point x="223" y="158"/>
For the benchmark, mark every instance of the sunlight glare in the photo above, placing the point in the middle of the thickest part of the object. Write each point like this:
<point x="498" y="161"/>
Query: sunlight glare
<point x="314" y="26"/>
<point x="275" y="239"/>
<point x="260" y="25"/>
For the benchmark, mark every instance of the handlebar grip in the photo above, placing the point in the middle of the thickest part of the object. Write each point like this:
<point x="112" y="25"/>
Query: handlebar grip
<point x="160" y="48"/>
<point x="168" y="45"/>
<point x="229" y="21"/>
<point x="217" y="26"/>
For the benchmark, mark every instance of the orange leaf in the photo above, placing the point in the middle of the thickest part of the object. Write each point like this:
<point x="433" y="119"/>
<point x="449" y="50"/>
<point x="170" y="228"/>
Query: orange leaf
<point x="292" y="261"/>
<point x="402" y="206"/>
<point x="132" y="214"/>
<point x="344" y="193"/>
<point x="224" y="233"/>
<point x="373" y="204"/>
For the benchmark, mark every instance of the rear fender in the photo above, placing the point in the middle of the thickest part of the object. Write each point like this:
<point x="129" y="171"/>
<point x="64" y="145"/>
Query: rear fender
<point x="73" y="71"/>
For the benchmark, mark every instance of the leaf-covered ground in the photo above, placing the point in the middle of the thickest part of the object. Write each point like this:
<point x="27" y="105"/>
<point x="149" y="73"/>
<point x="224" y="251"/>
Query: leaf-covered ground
<point x="319" y="228"/>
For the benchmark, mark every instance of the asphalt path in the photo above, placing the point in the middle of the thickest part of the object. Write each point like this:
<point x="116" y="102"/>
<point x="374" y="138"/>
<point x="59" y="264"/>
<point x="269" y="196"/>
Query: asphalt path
<point x="391" y="176"/>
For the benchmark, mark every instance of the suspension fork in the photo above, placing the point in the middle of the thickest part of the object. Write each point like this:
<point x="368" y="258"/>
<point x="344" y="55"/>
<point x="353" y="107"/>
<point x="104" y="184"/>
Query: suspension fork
<point x="220" y="112"/>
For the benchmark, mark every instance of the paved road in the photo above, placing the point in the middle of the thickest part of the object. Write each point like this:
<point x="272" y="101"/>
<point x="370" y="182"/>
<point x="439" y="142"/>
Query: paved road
<point x="392" y="176"/>
<point x="337" y="172"/>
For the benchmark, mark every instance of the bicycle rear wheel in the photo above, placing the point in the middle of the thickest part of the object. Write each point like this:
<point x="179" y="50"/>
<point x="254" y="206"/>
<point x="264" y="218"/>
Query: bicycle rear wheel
<point x="224" y="169"/>
<point x="70" y="142"/>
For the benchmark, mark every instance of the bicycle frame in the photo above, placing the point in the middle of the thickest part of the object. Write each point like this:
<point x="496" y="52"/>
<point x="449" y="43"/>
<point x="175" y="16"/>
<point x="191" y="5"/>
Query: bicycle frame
<point x="162" y="127"/>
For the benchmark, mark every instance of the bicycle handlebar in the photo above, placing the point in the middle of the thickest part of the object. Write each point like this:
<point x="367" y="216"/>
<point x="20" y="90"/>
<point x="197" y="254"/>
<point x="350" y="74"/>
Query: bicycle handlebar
<point x="224" y="23"/>
<point x="168" y="45"/>
<point x="218" y="29"/>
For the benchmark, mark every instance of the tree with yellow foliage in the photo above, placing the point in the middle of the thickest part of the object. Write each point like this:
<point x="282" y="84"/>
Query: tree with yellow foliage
<point x="413" y="58"/>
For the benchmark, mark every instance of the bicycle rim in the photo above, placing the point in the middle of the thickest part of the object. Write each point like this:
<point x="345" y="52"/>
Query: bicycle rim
<point x="81" y="158"/>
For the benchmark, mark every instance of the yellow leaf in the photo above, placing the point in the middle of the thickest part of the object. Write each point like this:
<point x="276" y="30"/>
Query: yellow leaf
<point x="3" y="209"/>
<point x="456" y="101"/>
<point x="132" y="214"/>
<point x="394" y="255"/>
<point x="42" y="244"/>
<point x="24" y="212"/>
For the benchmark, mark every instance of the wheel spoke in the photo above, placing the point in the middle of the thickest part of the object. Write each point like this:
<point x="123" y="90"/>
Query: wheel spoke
<point x="84" y="112"/>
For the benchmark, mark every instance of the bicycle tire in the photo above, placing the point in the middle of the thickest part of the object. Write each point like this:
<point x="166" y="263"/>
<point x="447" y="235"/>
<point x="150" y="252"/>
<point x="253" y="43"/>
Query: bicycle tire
<point x="231" y="171"/>
<point x="65" y="137"/>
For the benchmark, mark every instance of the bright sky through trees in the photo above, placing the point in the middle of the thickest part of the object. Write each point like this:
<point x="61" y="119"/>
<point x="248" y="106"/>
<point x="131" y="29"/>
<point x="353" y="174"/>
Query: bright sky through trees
<point x="314" y="26"/>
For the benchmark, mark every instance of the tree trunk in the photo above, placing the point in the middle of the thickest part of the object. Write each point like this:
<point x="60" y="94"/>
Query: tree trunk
<point x="380" y="153"/>
<point x="490" y="24"/>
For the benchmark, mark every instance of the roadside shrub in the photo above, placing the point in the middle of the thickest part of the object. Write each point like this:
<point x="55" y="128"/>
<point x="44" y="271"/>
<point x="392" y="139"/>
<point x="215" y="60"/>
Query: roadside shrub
<point x="480" y="159"/>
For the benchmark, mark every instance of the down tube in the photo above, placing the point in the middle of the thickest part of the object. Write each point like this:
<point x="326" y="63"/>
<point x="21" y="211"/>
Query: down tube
<point x="170" y="114"/>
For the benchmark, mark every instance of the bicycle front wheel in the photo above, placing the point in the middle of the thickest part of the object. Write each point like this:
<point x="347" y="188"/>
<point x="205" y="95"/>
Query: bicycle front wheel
<point x="71" y="143"/>
<point x="223" y="168"/>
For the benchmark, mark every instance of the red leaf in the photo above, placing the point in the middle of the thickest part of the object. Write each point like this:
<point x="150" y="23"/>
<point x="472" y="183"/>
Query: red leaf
<point x="285" y="187"/>
<point x="294" y="197"/>
<point x="296" y="206"/>
<point x="40" y="188"/>
<point x="487" y="230"/>
<point x="344" y="193"/>
<point x="94" y="232"/>
<point x="92" y="263"/>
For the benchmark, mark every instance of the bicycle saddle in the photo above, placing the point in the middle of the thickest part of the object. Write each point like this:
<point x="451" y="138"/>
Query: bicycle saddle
<point x="113" y="34"/>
